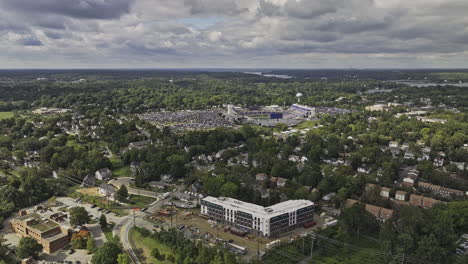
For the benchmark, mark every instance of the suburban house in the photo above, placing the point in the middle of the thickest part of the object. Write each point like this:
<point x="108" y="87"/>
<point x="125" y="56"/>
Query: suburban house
<point x="409" y="155"/>
<point x="89" y="181"/>
<point x="261" y="177"/>
<point x="158" y="184"/>
<point x="139" y="144"/>
<point x="438" y="162"/>
<point x="364" y="169"/>
<point x="103" y="174"/>
<point x="460" y="165"/>
<point x="107" y="190"/>
<point x="393" y="144"/>
<point x="134" y="166"/>
<point x="167" y="178"/>
<point x="281" y="182"/>
<point x="411" y="178"/>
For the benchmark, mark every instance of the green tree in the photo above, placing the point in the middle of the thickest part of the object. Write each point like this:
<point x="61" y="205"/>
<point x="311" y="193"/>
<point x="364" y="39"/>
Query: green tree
<point x="103" y="221"/>
<point x="356" y="220"/>
<point x="122" y="193"/>
<point x="123" y="259"/>
<point x="90" y="245"/>
<point x="106" y="254"/>
<point x="229" y="189"/>
<point x="28" y="247"/>
<point x="155" y="253"/>
<point x="79" y="216"/>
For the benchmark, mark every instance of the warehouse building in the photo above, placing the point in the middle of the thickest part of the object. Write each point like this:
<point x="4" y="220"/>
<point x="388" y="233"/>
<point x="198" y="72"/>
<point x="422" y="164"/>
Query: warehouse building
<point x="269" y="221"/>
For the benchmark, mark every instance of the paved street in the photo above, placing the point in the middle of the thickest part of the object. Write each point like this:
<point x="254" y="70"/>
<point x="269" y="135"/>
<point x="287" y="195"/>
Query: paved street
<point x="122" y="228"/>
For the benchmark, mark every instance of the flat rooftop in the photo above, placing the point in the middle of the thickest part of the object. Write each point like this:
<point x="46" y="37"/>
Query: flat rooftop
<point x="39" y="223"/>
<point x="271" y="211"/>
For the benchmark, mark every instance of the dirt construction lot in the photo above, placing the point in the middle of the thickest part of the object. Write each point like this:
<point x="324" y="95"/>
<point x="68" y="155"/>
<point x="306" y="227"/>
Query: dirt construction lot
<point x="89" y="191"/>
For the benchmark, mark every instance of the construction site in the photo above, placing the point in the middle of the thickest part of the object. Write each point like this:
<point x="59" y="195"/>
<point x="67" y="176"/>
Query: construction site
<point x="196" y="226"/>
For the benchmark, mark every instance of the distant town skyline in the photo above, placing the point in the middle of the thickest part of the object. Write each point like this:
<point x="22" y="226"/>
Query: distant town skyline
<point x="307" y="34"/>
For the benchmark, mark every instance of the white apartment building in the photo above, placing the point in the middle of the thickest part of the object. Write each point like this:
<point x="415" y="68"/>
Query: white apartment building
<point x="269" y="221"/>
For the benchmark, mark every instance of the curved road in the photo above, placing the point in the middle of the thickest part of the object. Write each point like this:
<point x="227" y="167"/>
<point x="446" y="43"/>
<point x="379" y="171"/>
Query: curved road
<point x="122" y="229"/>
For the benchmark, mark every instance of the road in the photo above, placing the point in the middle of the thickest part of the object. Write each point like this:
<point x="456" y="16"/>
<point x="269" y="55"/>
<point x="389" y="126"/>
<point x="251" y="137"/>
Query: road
<point x="122" y="229"/>
<point x="126" y="181"/>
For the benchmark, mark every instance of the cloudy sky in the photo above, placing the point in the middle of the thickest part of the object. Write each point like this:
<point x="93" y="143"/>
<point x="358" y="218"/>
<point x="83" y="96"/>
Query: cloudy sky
<point x="233" y="33"/>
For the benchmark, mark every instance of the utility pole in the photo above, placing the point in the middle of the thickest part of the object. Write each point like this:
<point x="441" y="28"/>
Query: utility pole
<point x="134" y="221"/>
<point x="172" y="206"/>
<point x="258" y="248"/>
<point x="138" y="179"/>
<point x="303" y="245"/>
<point x="312" y="245"/>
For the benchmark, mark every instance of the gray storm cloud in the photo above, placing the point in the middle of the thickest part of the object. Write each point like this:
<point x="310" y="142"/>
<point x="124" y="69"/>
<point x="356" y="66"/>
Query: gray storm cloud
<point x="98" y="9"/>
<point x="250" y="33"/>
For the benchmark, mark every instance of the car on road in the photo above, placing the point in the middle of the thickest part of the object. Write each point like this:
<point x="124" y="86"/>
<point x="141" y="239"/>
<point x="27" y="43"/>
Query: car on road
<point x="100" y="209"/>
<point x="93" y="206"/>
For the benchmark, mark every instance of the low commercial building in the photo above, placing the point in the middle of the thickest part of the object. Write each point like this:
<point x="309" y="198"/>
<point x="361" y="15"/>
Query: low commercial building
<point x="270" y="221"/>
<point x="45" y="231"/>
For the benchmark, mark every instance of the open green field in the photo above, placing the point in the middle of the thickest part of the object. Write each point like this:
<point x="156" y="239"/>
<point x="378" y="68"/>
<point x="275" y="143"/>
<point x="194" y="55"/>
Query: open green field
<point x="144" y="246"/>
<point x="306" y="124"/>
<point x="141" y="201"/>
<point x="5" y="115"/>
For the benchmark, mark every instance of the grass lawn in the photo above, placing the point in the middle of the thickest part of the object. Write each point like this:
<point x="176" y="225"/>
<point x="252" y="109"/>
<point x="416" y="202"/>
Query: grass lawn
<point x="116" y="161"/>
<point x="145" y="245"/>
<point x="122" y="172"/>
<point x="108" y="232"/>
<point x="141" y="201"/>
<point x="366" y="253"/>
<point x="15" y="173"/>
<point x="306" y="124"/>
<point x="5" y="115"/>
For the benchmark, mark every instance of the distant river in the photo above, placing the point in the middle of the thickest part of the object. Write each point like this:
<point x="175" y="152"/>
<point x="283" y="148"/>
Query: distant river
<point x="429" y="84"/>
<point x="281" y="76"/>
